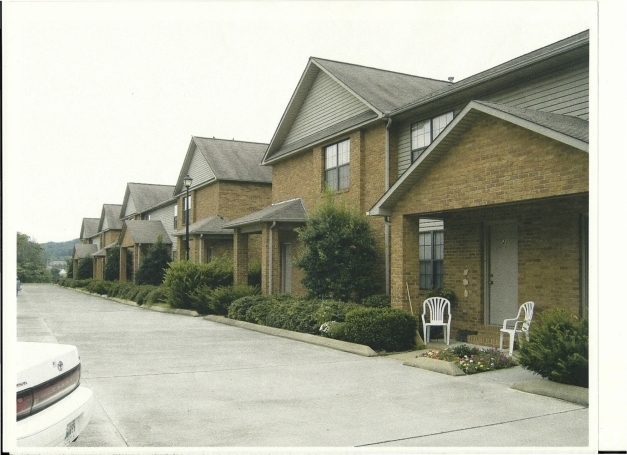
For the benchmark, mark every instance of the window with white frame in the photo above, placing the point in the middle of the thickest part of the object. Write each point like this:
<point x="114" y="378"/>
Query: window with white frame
<point x="431" y="245"/>
<point x="424" y="132"/>
<point x="176" y="211"/>
<point x="337" y="165"/>
<point x="187" y="205"/>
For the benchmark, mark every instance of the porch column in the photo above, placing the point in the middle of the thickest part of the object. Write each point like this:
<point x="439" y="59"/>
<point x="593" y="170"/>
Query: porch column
<point x="240" y="257"/>
<point x="270" y="260"/>
<point x="405" y="263"/>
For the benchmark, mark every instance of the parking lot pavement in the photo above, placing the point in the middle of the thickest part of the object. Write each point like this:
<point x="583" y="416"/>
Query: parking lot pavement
<point x="167" y="380"/>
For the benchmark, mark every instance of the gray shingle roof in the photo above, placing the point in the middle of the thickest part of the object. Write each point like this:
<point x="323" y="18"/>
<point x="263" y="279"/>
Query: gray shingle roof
<point x="229" y="160"/>
<point x="384" y="90"/>
<point x="146" y="195"/>
<point x="145" y="231"/>
<point x="100" y="253"/>
<point x="213" y="225"/>
<point x="292" y="211"/>
<point x="89" y="227"/>
<point x="111" y="213"/>
<point x="84" y="250"/>
<point x="570" y="126"/>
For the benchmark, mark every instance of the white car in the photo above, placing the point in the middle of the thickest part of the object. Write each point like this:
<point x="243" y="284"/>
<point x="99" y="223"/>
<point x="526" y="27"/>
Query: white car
<point x="52" y="407"/>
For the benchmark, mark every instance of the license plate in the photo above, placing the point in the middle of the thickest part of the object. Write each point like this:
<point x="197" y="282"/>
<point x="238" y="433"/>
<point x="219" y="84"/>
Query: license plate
<point x="70" y="431"/>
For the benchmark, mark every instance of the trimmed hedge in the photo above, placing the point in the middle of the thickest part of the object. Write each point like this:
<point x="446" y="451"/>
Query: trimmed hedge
<point x="206" y="300"/>
<point x="385" y="329"/>
<point x="380" y="328"/>
<point x="557" y="348"/>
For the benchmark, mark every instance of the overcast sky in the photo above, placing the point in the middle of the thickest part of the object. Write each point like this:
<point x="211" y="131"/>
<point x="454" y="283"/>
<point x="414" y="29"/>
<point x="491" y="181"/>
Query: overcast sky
<point x="101" y="94"/>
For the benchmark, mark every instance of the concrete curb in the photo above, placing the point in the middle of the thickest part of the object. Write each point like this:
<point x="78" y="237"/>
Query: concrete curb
<point x="439" y="366"/>
<point x="353" y="348"/>
<point x="135" y="304"/>
<point x="570" y="393"/>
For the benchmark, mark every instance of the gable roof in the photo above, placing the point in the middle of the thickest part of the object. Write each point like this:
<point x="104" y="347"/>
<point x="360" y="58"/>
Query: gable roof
<point x="227" y="160"/>
<point x="144" y="231"/>
<point x="212" y="225"/>
<point x="292" y="211"/>
<point x="110" y="217"/>
<point x="84" y="250"/>
<point x="572" y="131"/>
<point x="89" y="227"/>
<point x="139" y="197"/>
<point x="379" y="90"/>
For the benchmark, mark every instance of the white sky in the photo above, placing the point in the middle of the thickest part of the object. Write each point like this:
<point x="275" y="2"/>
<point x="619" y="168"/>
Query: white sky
<point x="101" y="94"/>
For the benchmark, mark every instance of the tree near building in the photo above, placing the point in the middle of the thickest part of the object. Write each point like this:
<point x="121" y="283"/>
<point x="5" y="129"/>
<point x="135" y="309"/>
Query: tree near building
<point x="339" y="258"/>
<point x="154" y="264"/>
<point x="112" y="265"/>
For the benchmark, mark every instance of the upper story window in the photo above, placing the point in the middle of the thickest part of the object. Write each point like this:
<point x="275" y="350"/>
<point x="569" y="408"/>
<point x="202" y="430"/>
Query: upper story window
<point x="424" y="132"/>
<point x="187" y="205"/>
<point x="176" y="211"/>
<point x="337" y="165"/>
<point x="146" y="217"/>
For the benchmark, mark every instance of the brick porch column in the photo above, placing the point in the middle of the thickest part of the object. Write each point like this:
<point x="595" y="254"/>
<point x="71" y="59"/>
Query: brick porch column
<point x="122" y="264"/>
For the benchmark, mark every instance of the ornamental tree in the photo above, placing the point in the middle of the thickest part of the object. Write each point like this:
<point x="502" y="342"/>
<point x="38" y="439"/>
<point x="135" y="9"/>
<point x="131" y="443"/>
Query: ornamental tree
<point x="154" y="264"/>
<point x="339" y="258"/>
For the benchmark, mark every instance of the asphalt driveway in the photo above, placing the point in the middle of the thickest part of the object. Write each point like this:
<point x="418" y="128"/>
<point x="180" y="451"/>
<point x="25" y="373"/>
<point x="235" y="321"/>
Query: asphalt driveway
<point x="168" y="380"/>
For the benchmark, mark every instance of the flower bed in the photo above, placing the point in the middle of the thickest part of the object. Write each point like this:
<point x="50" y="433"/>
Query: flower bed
<point x="472" y="360"/>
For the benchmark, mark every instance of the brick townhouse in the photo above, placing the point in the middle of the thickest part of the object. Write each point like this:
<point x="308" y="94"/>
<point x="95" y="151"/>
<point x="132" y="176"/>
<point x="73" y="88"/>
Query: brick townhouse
<point x="109" y="227"/>
<point x="227" y="182"/>
<point x="507" y="178"/>
<point x="373" y="137"/>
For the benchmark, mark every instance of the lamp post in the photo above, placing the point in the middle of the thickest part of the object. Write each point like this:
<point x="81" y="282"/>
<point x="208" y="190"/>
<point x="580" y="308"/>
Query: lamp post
<point x="187" y="181"/>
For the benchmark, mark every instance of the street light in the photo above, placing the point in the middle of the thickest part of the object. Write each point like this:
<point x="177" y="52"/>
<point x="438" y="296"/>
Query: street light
<point x="187" y="181"/>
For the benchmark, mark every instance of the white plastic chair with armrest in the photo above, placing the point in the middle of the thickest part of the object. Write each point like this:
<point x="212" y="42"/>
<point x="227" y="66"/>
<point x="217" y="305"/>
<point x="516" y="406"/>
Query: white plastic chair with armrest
<point x="437" y="307"/>
<point x="517" y="325"/>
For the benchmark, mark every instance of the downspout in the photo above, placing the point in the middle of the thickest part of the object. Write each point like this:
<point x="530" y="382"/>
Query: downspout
<point x="387" y="219"/>
<point x="270" y="258"/>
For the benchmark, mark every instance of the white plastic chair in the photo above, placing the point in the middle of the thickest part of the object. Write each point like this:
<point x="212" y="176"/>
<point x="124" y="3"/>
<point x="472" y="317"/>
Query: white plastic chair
<point x="437" y="307"/>
<point x="519" y="326"/>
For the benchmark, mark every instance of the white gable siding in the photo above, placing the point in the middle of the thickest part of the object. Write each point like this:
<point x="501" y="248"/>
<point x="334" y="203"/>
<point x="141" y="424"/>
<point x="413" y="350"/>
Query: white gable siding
<point x="130" y="208"/>
<point x="199" y="169"/>
<point x="166" y="216"/>
<point x="105" y="225"/>
<point x="327" y="104"/>
<point x="564" y="92"/>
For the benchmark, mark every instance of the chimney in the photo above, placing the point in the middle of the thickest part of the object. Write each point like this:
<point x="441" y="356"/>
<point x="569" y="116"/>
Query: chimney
<point x="450" y="78"/>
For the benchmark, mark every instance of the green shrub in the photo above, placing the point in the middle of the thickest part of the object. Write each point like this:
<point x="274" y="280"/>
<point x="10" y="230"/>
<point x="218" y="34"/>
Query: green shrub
<point x="85" y="268"/>
<point x="157" y="295"/>
<point x="185" y="280"/>
<point x="81" y="283"/>
<point x="381" y="328"/>
<point x="377" y="301"/>
<point x="339" y="257"/>
<point x="112" y="264"/>
<point x="142" y="292"/>
<point x="557" y="348"/>
<point x="221" y="297"/>
<point x="98" y="287"/>
<point x="239" y="308"/>
<point x="154" y="265"/>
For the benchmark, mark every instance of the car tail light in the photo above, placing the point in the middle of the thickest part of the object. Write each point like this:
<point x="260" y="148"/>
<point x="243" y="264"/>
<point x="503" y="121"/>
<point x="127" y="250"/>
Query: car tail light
<point x="34" y="400"/>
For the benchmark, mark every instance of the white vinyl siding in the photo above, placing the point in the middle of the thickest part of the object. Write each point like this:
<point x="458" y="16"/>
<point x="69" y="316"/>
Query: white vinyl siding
<point x="327" y="104"/>
<point x="199" y="169"/>
<point x="166" y="216"/>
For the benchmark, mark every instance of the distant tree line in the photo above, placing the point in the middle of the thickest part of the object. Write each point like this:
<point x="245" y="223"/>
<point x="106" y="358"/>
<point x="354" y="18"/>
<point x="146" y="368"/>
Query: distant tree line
<point x="31" y="261"/>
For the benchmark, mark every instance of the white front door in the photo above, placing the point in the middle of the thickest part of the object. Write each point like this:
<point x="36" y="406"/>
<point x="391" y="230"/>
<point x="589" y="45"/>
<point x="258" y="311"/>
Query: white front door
<point x="502" y="282"/>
